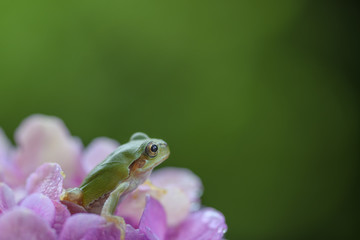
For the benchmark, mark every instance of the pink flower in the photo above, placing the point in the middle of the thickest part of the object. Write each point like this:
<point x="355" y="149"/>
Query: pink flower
<point x="32" y="178"/>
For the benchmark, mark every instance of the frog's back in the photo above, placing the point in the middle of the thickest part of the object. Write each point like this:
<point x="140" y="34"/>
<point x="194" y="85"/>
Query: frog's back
<point x="98" y="185"/>
<point x="106" y="176"/>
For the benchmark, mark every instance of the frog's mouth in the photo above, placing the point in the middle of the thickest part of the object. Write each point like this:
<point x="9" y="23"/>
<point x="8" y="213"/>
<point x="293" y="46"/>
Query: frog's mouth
<point x="165" y="152"/>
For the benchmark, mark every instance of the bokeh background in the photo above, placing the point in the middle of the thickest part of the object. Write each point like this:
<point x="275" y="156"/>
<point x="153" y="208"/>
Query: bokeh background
<point x="259" y="98"/>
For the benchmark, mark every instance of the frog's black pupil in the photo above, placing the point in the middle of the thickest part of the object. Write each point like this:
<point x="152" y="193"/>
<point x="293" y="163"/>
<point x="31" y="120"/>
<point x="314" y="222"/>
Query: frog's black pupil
<point x="154" y="148"/>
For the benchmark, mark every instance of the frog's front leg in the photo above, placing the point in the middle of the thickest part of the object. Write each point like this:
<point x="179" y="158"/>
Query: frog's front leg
<point x="110" y="206"/>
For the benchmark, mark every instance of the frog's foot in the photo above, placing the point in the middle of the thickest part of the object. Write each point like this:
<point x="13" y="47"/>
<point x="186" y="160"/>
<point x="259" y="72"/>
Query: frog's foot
<point x="74" y="195"/>
<point x="119" y="223"/>
<point x="73" y="207"/>
<point x="155" y="188"/>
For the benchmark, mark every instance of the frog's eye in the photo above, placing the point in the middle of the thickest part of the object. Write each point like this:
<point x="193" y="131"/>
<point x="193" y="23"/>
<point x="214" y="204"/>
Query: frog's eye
<point x="151" y="150"/>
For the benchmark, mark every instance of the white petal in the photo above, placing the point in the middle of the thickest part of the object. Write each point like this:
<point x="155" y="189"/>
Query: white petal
<point x="46" y="139"/>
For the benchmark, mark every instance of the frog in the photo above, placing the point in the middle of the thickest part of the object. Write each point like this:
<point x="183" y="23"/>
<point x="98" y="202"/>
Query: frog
<point x="120" y="173"/>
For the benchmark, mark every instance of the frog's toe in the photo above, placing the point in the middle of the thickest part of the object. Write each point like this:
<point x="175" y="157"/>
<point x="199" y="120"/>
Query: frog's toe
<point x="119" y="223"/>
<point x="73" y="207"/>
<point x="74" y="195"/>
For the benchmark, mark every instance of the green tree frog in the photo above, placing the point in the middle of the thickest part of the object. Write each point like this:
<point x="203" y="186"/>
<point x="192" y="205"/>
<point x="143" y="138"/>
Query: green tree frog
<point x="119" y="174"/>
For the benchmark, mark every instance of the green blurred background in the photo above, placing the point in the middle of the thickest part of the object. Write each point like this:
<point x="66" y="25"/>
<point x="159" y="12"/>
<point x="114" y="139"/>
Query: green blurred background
<point x="259" y="98"/>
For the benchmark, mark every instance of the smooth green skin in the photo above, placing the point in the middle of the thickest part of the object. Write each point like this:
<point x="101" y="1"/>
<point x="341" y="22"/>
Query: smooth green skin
<point x="113" y="177"/>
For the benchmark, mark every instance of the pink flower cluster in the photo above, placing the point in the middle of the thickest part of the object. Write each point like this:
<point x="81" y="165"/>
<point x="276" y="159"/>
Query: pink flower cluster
<point x="32" y="178"/>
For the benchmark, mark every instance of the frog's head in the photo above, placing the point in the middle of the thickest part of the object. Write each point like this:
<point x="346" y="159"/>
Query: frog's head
<point x="153" y="152"/>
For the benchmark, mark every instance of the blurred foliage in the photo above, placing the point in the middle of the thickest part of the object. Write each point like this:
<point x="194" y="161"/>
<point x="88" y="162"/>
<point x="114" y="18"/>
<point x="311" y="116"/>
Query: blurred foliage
<point x="256" y="97"/>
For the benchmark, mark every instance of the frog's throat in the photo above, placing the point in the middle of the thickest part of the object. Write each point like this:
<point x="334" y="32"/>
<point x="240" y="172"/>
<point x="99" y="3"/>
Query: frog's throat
<point x="136" y="168"/>
<point x="137" y="164"/>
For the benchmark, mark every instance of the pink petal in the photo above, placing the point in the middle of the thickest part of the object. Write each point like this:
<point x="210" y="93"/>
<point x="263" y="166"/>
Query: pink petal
<point x="47" y="179"/>
<point x="21" y="223"/>
<point x="206" y="224"/>
<point x="10" y="174"/>
<point x="7" y="199"/>
<point x="20" y="194"/>
<point x="175" y="202"/>
<point x="86" y="226"/>
<point x="134" y="234"/>
<point x="4" y="146"/>
<point x="132" y="206"/>
<point x="97" y="151"/>
<point x="61" y="215"/>
<point x="182" y="178"/>
<point x="45" y="139"/>
<point x="8" y="171"/>
<point x="40" y="205"/>
<point x="153" y="220"/>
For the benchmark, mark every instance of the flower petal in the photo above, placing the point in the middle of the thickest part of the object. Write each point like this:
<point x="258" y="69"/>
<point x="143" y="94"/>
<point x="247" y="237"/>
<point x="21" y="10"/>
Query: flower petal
<point x="132" y="206"/>
<point x="8" y="172"/>
<point x="45" y="139"/>
<point x="134" y="234"/>
<point x="207" y="223"/>
<point x="21" y="223"/>
<point x="175" y="202"/>
<point x="153" y="220"/>
<point x="97" y="151"/>
<point x="182" y="178"/>
<point x="7" y="199"/>
<point x="41" y="205"/>
<point x="61" y="215"/>
<point x="47" y="179"/>
<point x="4" y="146"/>
<point x="86" y="226"/>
